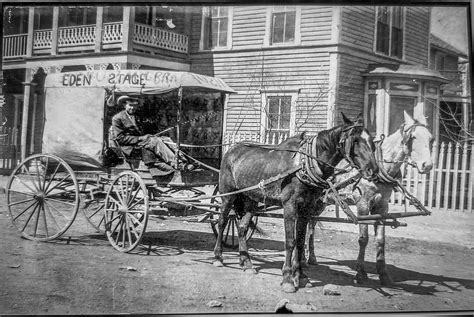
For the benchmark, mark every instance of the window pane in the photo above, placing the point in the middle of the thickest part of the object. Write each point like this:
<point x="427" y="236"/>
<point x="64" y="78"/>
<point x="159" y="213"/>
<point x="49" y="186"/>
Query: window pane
<point x="372" y="114"/>
<point x="223" y="38"/>
<point x="43" y="18"/>
<point x="429" y="112"/>
<point x="113" y="14"/>
<point x="278" y="27"/>
<point x="397" y="106"/>
<point x="397" y="43"/>
<point x="274" y="105"/>
<point x="290" y="26"/>
<point x="397" y="17"/>
<point x="285" y="121"/>
<point x="383" y="33"/>
<point x="382" y="14"/>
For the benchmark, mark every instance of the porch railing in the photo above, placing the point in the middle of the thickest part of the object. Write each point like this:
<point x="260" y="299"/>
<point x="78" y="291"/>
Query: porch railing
<point x="159" y="38"/>
<point x="14" y="45"/>
<point x="80" y="38"/>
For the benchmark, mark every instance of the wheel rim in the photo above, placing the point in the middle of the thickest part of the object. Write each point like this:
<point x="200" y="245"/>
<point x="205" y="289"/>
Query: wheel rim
<point x="230" y="238"/>
<point x="42" y="197"/>
<point x="94" y="212"/>
<point x="126" y="211"/>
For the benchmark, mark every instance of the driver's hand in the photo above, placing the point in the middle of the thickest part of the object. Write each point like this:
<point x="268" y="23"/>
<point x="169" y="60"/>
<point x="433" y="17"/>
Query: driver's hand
<point x="144" y="137"/>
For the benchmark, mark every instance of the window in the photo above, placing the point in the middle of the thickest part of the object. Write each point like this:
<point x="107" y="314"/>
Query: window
<point x="43" y="18"/>
<point x="389" y="35"/>
<point x="113" y="14"/>
<point x="74" y="16"/>
<point x="215" y="28"/>
<point x="278" y="119"/>
<point x="397" y="105"/>
<point x="15" y="20"/>
<point x="283" y="24"/>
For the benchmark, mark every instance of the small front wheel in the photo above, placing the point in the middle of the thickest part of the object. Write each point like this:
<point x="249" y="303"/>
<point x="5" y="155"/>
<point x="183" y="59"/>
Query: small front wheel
<point x="126" y="211"/>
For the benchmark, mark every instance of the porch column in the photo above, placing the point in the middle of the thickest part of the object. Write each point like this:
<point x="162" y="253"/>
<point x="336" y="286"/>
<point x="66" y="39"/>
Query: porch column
<point x="98" y="29"/>
<point x="30" y="42"/>
<point x="26" y="109"/>
<point x="54" y="34"/>
<point x="128" y="28"/>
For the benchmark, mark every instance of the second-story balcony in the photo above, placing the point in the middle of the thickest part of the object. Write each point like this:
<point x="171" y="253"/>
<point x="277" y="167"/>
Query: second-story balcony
<point x="60" y="30"/>
<point x="84" y="38"/>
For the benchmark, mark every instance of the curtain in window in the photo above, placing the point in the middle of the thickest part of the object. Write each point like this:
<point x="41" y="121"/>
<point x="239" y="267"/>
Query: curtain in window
<point x="278" y="116"/>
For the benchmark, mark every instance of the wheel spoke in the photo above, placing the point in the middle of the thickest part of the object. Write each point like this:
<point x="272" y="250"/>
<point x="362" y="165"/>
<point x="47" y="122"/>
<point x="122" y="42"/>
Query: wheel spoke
<point x="24" y="184"/>
<point x="135" y="195"/>
<point x="136" y="203"/>
<point x="57" y="210"/>
<point x="20" y="202"/>
<point x="121" y="203"/>
<point x="52" y="177"/>
<point x="45" y="171"/>
<point x="21" y="213"/>
<point x="60" y="201"/>
<point x="57" y="184"/>
<point x="127" y="222"/>
<point x="28" y="172"/>
<point x="29" y="218"/>
<point x="37" y="219"/>
<point x="53" y="220"/>
<point x="19" y="192"/>
<point x="38" y="175"/>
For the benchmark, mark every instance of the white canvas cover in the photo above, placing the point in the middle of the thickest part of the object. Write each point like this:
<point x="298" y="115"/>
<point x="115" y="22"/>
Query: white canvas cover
<point x="73" y="127"/>
<point x="137" y="81"/>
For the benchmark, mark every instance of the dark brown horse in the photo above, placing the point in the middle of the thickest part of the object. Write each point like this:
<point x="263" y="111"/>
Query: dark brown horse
<point x="244" y="166"/>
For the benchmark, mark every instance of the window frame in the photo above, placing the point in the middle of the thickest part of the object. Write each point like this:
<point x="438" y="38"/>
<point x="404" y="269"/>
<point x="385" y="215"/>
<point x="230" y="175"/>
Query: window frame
<point x="205" y="33"/>
<point x="265" y="97"/>
<point x="268" y="41"/>
<point x="390" y="30"/>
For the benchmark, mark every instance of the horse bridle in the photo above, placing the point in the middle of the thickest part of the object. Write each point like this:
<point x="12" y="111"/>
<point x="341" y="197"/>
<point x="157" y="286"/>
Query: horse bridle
<point x="347" y="149"/>
<point x="407" y="138"/>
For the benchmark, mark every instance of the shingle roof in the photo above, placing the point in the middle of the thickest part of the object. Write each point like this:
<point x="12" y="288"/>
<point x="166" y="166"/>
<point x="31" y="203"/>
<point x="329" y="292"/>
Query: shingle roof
<point x="405" y="71"/>
<point x="436" y="41"/>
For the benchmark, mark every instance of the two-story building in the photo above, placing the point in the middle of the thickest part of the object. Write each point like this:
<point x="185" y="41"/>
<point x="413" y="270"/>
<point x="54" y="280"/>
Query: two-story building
<point x="294" y="67"/>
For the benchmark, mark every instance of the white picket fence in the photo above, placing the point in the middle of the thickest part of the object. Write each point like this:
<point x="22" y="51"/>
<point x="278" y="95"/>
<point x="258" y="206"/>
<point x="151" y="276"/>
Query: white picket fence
<point x="449" y="186"/>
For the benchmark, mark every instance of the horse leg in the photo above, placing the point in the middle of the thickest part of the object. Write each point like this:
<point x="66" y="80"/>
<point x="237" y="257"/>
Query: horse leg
<point x="226" y="206"/>
<point x="309" y="245"/>
<point x="289" y="216"/>
<point x="361" y="276"/>
<point x="380" y="265"/>
<point x="301" y="224"/>
<point x="245" y="261"/>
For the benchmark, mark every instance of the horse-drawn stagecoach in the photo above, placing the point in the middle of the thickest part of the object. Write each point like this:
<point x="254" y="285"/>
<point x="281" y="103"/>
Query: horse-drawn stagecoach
<point x="46" y="191"/>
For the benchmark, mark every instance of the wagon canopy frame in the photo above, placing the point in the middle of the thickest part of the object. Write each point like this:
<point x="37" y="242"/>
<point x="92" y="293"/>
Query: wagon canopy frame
<point x="74" y="105"/>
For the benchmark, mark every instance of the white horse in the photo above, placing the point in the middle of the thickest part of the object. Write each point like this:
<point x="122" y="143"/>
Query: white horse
<point x="411" y="141"/>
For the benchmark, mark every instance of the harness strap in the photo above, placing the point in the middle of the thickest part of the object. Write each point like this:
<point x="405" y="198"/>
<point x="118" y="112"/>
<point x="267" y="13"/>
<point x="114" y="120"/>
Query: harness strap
<point x="256" y="186"/>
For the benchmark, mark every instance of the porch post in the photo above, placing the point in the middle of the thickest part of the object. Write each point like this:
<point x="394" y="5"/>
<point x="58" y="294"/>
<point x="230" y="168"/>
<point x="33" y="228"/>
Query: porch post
<point x="54" y="34"/>
<point x="31" y="39"/>
<point x="127" y="27"/>
<point x="98" y="29"/>
<point x="26" y="109"/>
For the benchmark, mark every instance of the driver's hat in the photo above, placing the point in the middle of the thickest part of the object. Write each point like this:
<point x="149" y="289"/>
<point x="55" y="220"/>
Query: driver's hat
<point x="127" y="99"/>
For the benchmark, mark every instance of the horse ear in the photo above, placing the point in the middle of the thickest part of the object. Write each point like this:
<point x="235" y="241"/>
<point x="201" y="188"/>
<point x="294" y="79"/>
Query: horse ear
<point x="346" y="120"/>
<point x="408" y="119"/>
<point x="422" y="120"/>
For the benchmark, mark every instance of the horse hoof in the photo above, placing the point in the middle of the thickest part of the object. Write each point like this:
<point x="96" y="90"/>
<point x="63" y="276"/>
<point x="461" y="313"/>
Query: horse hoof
<point x="312" y="260"/>
<point x="385" y="280"/>
<point x="218" y="263"/>
<point x="360" y="278"/>
<point x="288" y="288"/>
<point x="250" y="271"/>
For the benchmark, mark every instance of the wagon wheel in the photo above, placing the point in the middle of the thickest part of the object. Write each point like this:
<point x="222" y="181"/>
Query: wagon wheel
<point x="42" y="197"/>
<point x="230" y="239"/>
<point x="126" y="211"/>
<point x="93" y="210"/>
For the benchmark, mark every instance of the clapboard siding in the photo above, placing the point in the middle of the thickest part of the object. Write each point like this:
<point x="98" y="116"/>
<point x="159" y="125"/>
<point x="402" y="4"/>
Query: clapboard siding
<point x="316" y="24"/>
<point x="417" y="35"/>
<point x="248" y="27"/>
<point x="303" y="69"/>
<point x="357" y="27"/>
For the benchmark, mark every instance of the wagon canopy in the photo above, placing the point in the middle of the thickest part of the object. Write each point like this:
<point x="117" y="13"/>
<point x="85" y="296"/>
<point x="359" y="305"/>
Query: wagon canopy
<point x="74" y="106"/>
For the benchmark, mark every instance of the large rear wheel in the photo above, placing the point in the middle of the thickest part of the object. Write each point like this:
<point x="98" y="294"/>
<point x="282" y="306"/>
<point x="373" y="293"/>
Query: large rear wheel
<point x="42" y="197"/>
<point x="126" y="211"/>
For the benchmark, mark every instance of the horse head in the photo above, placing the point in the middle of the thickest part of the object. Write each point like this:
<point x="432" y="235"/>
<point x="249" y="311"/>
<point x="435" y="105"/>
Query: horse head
<point x="357" y="147"/>
<point x="416" y="139"/>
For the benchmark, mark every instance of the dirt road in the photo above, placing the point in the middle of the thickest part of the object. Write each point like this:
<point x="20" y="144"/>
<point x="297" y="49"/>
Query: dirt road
<point x="83" y="274"/>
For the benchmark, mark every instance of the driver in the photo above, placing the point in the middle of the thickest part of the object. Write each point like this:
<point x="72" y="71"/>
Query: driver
<point x="128" y="131"/>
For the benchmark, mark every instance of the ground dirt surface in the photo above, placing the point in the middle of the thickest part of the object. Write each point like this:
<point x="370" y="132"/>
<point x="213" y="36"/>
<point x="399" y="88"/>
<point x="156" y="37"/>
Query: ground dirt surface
<point x="81" y="273"/>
